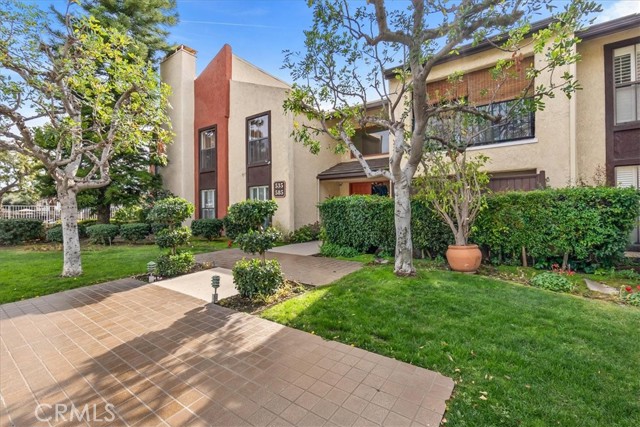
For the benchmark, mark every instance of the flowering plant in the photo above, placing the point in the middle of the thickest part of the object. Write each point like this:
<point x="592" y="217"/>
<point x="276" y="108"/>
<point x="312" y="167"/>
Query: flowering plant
<point x="630" y="296"/>
<point x="558" y="270"/>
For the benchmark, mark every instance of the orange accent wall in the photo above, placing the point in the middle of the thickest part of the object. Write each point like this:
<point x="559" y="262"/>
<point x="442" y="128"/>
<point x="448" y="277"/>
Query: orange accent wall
<point x="212" y="93"/>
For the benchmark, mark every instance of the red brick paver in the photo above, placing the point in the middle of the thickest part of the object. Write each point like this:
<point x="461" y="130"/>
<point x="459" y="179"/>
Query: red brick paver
<point x="145" y="355"/>
<point x="310" y="270"/>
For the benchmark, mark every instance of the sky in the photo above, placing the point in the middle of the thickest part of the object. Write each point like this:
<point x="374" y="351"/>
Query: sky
<point x="259" y="30"/>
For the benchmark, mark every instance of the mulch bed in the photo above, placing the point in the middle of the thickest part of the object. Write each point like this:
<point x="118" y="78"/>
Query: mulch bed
<point x="259" y="304"/>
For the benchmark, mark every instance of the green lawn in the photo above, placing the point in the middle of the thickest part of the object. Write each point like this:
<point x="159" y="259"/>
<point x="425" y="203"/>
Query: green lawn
<point x="31" y="271"/>
<point x="543" y="359"/>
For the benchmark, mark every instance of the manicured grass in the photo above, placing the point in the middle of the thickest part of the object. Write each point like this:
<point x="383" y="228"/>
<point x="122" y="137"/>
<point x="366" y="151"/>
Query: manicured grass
<point x="31" y="271"/>
<point x="543" y="359"/>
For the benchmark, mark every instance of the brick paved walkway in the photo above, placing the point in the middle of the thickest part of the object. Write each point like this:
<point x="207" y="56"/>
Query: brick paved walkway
<point x="160" y="358"/>
<point x="310" y="270"/>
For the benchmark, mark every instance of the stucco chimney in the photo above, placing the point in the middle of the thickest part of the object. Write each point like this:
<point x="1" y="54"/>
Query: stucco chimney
<point x="178" y="70"/>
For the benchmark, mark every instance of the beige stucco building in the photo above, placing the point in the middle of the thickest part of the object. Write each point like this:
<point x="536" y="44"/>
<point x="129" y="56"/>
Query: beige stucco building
<point x="233" y="139"/>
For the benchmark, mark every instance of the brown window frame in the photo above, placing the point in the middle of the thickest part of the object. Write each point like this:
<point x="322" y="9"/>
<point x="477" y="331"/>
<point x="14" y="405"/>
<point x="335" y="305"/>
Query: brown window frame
<point x="268" y="138"/>
<point x="201" y="169"/>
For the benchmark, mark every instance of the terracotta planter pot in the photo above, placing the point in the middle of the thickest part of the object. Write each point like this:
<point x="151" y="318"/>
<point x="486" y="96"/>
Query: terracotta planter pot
<point x="465" y="259"/>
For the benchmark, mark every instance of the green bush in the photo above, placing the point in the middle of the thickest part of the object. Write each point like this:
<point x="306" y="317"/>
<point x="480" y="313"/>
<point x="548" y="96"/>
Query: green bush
<point x="54" y="234"/>
<point x="103" y="233"/>
<point x="209" y="228"/>
<point x="306" y="233"/>
<point x="253" y="278"/>
<point x="552" y="282"/>
<point x="82" y="227"/>
<point x="258" y="242"/>
<point x="170" y="211"/>
<point x="20" y="230"/>
<point x="173" y="265"/>
<point x="134" y="232"/>
<point x="128" y="214"/>
<point x="166" y="216"/>
<point x="248" y="215"/>
<point x="156" y="227"/>
<point x="168" y="238"/>
<point x="332" y="250"/>
<point x="366" y="223"/>
<point x="589" y="224"/>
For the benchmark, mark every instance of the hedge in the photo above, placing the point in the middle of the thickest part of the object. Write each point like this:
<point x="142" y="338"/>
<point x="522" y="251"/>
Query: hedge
<point x="103" y="233"/>
<point x="591" y="225"/>
<point x="209" y="228"/>
<point x="19" y="230"/>
<point x="135" y="231"/>
<point x="366" y="223"/>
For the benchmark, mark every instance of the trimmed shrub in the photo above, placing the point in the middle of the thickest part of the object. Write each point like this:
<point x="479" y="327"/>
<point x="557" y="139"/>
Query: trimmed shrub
<point x="170" y="211"/>
<point x="306" y="233"/>
<point x="82" y="227"/>
<point x="103" y="233"/>
<point x="20" y="230"/>
<point x="366" y="223"/>
<point x="253" y="278"/>
<point x="54" y="234"/>
<point x="156" y="227"/>
<point x="333" y="250"/>
<point x="591" y="225"/>
<point x="134" y="232"/>
<point x="552" y="282"/>
<point x="168" y="238"/>
<point x="208" y="228"/>
<point x="174" y="265"/>
<point x="258" y="242"/>
<point x="248" y="215"/>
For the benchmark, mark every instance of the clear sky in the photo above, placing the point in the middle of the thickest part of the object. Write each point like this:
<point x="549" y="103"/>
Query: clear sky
<point x="259" y="30"/>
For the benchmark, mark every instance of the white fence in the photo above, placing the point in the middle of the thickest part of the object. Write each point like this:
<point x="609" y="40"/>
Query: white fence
<point x="47" y="213"/>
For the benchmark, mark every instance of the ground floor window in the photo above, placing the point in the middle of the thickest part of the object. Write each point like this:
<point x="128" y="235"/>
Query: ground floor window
<point x="259" y="193"/>
<point x="629" y="176"/>
<point x="208" y="203"/>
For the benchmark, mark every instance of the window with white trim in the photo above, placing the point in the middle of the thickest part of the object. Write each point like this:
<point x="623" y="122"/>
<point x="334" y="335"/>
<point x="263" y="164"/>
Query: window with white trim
<point x="259" y="193"/>
<point x="626" y="80"/>
<point x="207" y="203"/>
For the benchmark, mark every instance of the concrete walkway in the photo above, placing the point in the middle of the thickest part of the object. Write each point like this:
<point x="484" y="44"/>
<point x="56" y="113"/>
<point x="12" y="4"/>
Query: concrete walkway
<point x="310" y="270"/>
<point x="125" y="353"/>
<point x="198" y="285"/>
<point x="305" y="249"/>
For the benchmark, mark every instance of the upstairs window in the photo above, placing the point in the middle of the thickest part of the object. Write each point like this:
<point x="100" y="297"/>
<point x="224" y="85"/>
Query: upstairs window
<point x="371" y="141"/>
<point x="626" y="80"/>
<point x="258" y="144"/>
<point x="521" y="125"/>
<point x="207" y="150"/>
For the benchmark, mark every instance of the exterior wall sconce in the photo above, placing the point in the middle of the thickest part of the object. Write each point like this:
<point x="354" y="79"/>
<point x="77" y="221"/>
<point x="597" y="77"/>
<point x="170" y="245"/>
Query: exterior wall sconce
<point x="215" y="284"/>
<point x="151" y="268"/>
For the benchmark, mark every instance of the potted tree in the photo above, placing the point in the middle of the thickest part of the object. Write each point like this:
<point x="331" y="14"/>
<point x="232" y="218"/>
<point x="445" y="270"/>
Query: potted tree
<point x="454" y="184"/>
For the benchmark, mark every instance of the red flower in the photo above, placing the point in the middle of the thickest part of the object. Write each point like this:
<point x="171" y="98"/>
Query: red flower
<point x="638" y="287"/>
<point x="628" y="288"/>
<point x="229" y="243"/>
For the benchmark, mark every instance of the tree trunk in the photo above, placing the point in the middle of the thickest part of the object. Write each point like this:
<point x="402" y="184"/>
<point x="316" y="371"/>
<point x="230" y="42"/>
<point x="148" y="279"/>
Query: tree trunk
<point x="104" y="213"/>
<point x="72" y="265"/>
<point x="404" y="243"/>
